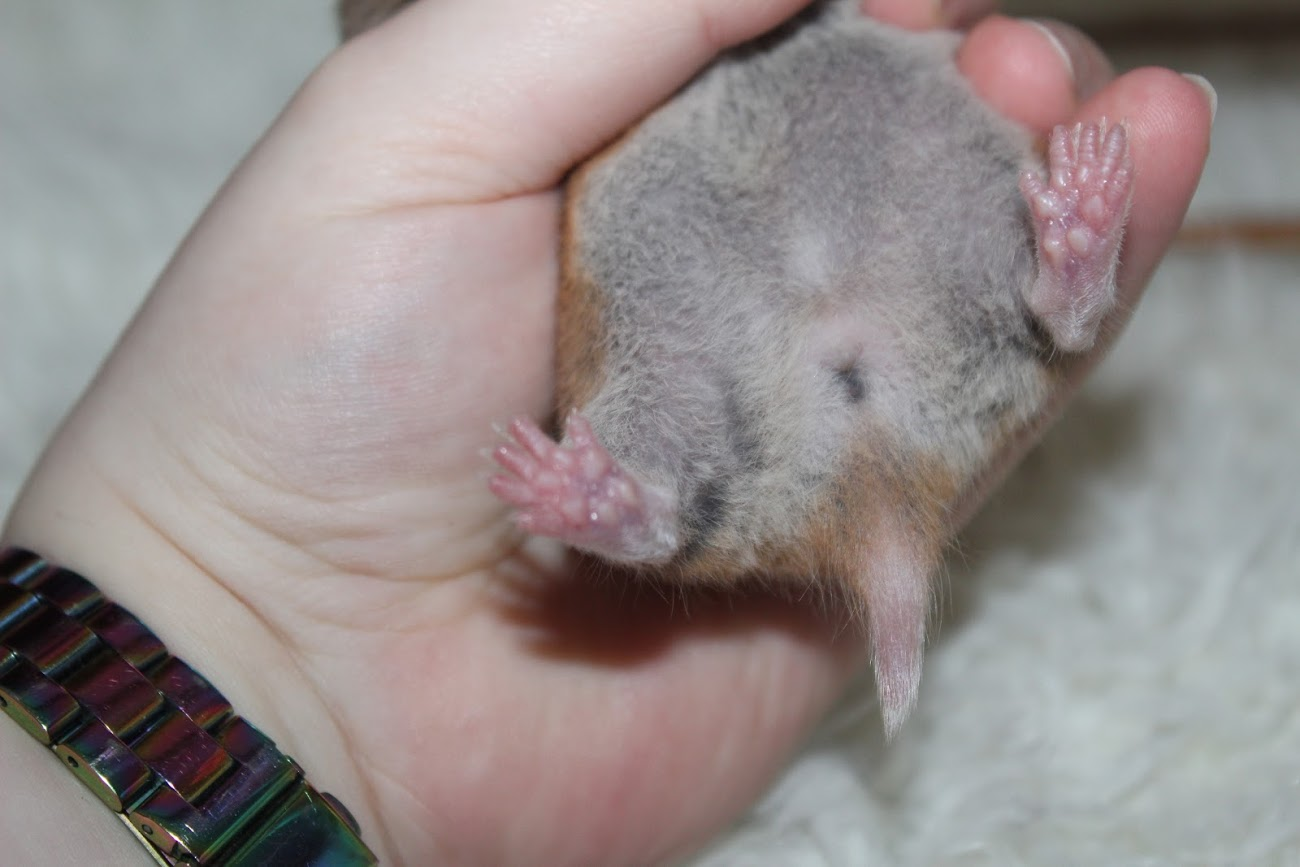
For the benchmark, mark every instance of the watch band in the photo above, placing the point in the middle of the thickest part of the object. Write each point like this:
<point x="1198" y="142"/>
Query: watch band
<point x="151" y="737"/>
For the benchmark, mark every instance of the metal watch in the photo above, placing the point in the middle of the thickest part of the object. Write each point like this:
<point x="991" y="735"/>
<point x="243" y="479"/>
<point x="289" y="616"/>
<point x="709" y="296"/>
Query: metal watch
<point x="159" y="745"/>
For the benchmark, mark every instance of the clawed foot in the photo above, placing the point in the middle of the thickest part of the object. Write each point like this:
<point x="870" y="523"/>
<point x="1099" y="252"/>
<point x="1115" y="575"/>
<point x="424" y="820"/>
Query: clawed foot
<point x="1079" y="210"/>
<point x="577" y="493"/>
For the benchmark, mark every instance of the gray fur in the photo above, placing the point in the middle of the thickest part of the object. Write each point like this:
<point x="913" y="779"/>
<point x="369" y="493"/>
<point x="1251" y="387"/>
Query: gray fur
<point x="819" y="237"/>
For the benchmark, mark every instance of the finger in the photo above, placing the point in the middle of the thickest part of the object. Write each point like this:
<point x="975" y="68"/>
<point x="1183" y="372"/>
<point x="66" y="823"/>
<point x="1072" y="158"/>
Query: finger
<point x="1045" y="73"/>
<point x="475" y="99"/>
<point x="928" y="14"/>
<point x="1169" y="118"/>
<point x="1034" y="72"/>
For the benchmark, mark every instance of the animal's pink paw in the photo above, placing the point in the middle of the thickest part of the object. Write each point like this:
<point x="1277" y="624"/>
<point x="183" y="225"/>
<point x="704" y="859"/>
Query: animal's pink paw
<point x="1079" y="209"/>
<point x="578" y="493"/>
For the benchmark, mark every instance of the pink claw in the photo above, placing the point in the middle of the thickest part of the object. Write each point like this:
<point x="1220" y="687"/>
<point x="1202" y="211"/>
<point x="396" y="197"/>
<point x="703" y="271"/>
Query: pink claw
<point x="1079" y="209"/>
<point x="578" y="493"/>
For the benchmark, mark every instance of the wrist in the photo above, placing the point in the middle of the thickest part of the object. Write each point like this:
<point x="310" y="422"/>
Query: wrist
<point x="89" y="528"/>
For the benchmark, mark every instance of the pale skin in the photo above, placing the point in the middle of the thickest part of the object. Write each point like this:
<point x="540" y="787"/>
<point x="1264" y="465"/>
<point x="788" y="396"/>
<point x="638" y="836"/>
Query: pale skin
<point x="278" y="468"/>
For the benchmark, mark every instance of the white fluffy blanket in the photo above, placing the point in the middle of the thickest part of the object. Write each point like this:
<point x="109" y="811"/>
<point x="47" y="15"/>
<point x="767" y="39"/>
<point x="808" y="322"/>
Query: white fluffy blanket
<point x="1115" y="680"/>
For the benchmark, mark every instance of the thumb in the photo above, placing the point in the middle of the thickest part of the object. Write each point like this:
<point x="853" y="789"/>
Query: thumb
<point x="474" y="100"/>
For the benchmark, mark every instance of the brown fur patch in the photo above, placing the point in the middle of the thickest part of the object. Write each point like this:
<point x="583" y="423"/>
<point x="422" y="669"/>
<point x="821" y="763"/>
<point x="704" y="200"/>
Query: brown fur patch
<point x="884" y="490"/>
<point x="579" y="314"/>
<point x="580" y="305"/>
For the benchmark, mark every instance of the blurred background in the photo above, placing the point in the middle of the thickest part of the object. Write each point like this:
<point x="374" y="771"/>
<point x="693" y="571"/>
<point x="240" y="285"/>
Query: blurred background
<point x="1114" y="678"/>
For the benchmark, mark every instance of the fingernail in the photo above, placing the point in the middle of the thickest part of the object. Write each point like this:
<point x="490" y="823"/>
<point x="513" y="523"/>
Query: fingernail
<point x="1055" y="42"/>
<point x="1211" y="96"/>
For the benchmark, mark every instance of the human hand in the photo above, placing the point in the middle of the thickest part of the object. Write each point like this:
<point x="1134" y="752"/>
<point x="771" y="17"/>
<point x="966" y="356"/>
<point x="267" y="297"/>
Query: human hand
<point x="277" y="467"/>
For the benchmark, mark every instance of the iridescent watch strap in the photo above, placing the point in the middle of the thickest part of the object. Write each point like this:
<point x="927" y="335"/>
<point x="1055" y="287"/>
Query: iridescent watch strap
<point x="147" y="734"/>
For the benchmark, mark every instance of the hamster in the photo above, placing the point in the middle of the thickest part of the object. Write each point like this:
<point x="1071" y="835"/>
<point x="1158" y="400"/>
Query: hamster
<point x="803" y="304"/>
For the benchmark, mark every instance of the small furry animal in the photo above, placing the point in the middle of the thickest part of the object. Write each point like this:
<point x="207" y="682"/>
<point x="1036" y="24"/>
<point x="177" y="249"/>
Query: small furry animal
<point x="803" y="305"/>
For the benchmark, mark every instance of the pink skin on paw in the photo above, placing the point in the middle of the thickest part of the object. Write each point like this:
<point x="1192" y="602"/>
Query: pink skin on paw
<point x="577" y="493"/>
<point x="1079" y="210"/>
